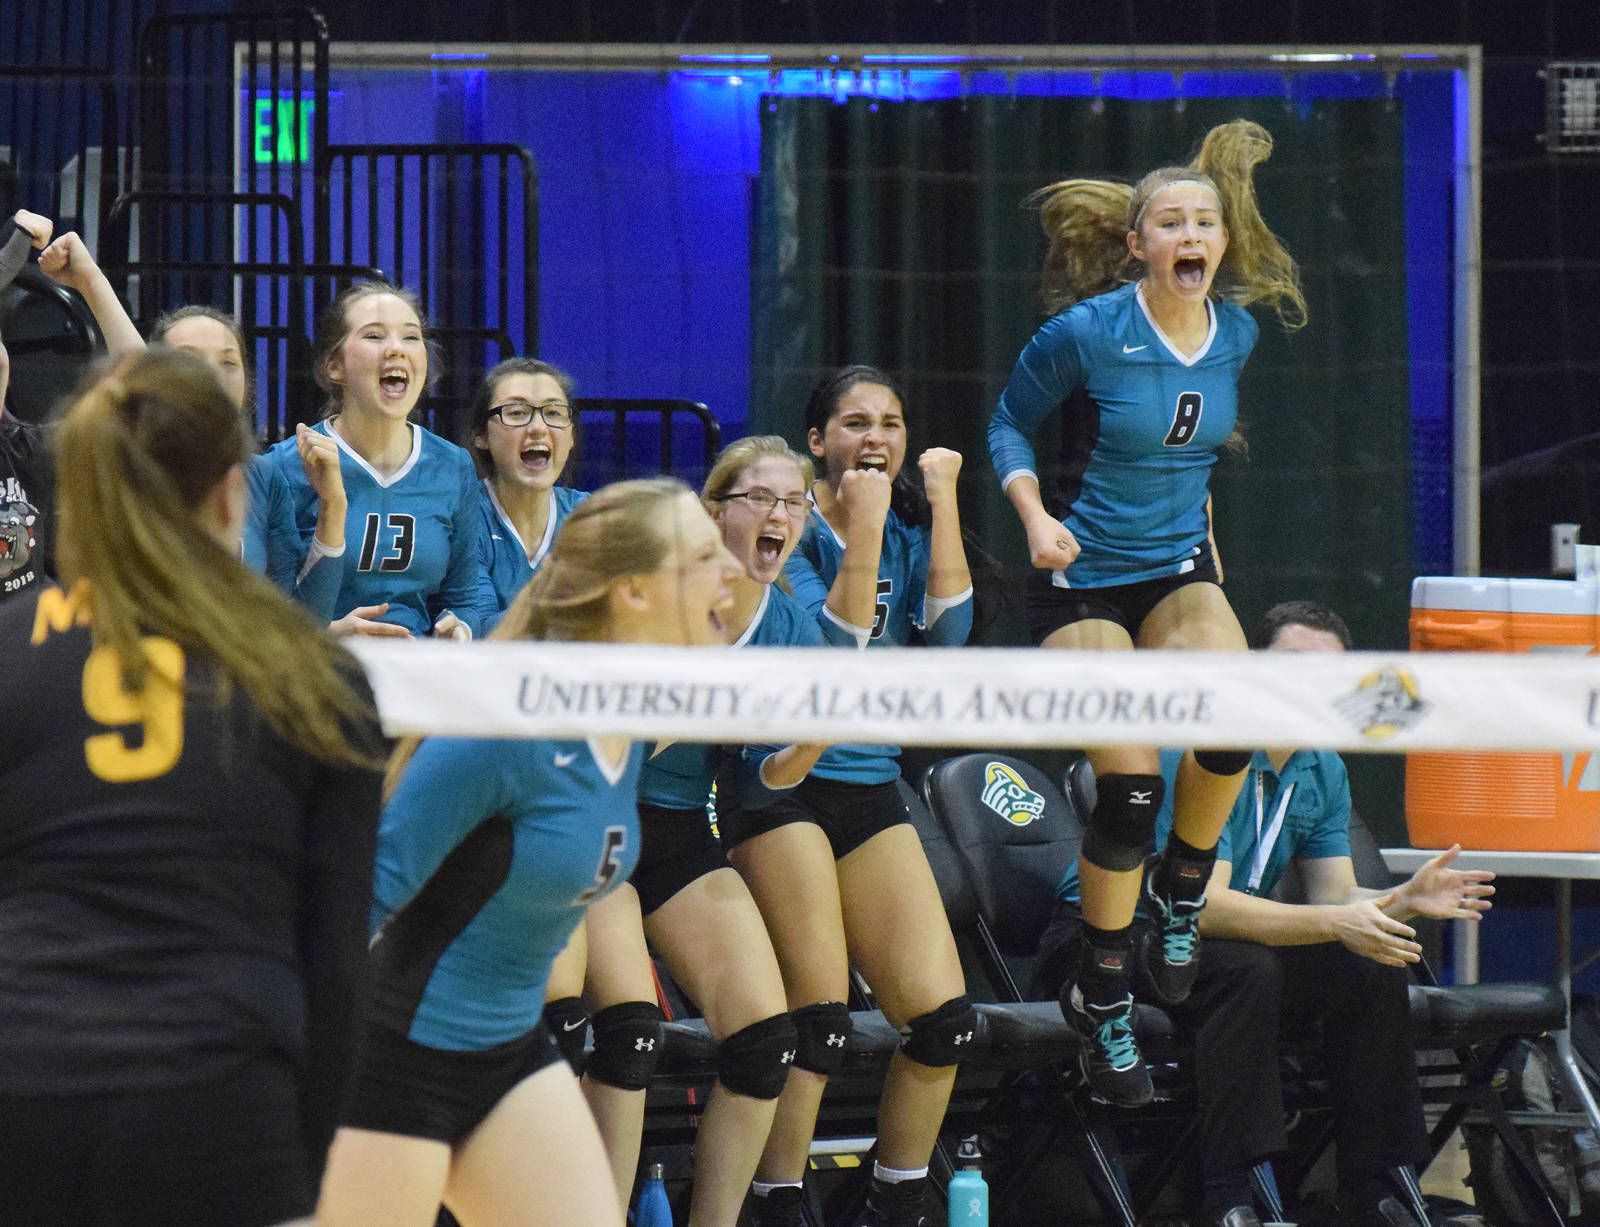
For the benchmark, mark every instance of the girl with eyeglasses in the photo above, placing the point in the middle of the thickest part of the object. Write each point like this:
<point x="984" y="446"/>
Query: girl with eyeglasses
<point x="834" y="863"/>
<point x="521" y="429"/>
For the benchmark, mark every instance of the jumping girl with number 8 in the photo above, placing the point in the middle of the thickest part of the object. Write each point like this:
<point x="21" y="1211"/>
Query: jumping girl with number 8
<point x="1143" y="364"/>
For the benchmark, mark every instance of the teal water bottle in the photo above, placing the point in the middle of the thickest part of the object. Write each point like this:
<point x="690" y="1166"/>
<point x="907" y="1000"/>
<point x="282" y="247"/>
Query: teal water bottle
<point x="653" y="1209"/>
<point x="968" y="1195"/>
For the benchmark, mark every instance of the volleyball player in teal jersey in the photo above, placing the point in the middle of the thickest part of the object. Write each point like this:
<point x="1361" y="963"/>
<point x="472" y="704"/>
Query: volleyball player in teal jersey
<point x="521" y="429"/>
<point x="833" y="863"/>
<point x="488" y="852"/>
<point x="694" y="909"/>
<point x="407" y="558"/>
<point x="1143" y="362"/>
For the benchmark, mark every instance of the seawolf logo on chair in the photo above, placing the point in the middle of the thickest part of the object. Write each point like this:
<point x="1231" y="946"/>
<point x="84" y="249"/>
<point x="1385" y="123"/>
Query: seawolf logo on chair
<point x="1006" y="794"/>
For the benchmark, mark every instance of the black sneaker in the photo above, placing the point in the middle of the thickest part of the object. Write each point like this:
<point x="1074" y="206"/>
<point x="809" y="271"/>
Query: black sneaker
<point x="784" y="1206"/>
<point x="1108" y="1054"/>
<point x="1390" y="1212"/>
<point x="896" y="1205"/>
<point x="1171" y="948"/>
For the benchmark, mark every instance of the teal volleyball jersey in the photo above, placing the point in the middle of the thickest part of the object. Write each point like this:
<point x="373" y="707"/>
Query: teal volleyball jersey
<point x="1141" y="427"/>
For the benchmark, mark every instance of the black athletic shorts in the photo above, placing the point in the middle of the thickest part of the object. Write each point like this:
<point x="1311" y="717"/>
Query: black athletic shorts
<point x="422" y="1092"/>
<point x="849" y="814"/>
<point x="1128" y="605"/>
<point x="676" y="847"/>
<point x="225" y="1153"/>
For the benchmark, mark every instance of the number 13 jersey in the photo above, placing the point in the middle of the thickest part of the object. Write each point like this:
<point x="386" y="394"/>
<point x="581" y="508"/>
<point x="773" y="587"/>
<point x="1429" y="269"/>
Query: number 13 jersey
<point x="1141" y="423"/>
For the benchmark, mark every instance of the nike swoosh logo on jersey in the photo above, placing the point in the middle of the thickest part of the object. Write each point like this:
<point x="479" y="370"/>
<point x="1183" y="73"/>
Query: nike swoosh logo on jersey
<point x="565" y="760"/>
<point x="1133" y="349"/>
<point x="573" y="1026"/>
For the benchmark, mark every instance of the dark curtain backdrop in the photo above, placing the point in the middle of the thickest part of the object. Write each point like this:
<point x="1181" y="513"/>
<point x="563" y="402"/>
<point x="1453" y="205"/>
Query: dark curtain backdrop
<point x="894" y="233"/>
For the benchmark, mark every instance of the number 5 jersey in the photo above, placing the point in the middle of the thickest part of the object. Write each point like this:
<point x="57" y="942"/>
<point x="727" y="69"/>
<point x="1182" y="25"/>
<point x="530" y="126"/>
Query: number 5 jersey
<point x="488" y="852"/>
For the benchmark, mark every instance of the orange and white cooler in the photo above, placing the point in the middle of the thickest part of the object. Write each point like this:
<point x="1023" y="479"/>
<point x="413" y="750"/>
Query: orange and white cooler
<point x="1513" y="801"/>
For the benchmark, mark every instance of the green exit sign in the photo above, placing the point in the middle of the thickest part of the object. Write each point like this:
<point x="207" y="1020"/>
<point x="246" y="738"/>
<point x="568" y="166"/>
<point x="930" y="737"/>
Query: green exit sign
<point x="280" y="131"/>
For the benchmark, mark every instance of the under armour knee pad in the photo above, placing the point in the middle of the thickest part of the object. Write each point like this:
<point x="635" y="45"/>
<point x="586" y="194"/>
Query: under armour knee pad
<point x="755" y="1060"/>
<point x="822" y="1032"/>
<point x="627" y="1045"/>
<point x="941" y="1037"/>
<point x="1124" y="820"/>
<point x="1222" y="762"/>
<point x="567" y="1019"/>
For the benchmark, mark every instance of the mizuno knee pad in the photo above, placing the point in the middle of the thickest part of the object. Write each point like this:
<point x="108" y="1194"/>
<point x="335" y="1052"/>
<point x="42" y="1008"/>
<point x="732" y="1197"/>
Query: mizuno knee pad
<point x="1124" y="820"/>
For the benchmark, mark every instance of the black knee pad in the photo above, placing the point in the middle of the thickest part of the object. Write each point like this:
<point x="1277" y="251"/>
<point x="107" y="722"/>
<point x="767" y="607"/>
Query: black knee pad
<point x="755" y="1060"/>
<point x="567" y="1020"/>
<point x="822" y="1034"/>
<point x="1222" y="762"/>
<point x="627" y="1045"/>
<point x="1124" y="820"/>
<point x="941" y="1037"/>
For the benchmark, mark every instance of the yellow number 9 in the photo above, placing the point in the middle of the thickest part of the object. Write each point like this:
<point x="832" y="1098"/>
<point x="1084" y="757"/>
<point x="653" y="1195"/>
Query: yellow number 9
<point x="157" y="709"/>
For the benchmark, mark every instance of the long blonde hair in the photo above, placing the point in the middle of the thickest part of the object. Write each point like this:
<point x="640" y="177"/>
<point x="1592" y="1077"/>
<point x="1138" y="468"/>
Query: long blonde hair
<point x="1087" y="223"/>
<point x="139" y="451"/>
<point x="614" y="533"/>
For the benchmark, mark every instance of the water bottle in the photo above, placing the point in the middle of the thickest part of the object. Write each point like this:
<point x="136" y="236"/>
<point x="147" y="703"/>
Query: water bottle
<point x="653" y="1209"/>
<point x="968" y="1195"/>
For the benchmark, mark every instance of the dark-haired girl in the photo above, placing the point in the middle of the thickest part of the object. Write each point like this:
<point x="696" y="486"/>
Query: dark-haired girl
<point x="405" y="561"/>
<point x="834" y="864"/>
<point x="521" y="428"/>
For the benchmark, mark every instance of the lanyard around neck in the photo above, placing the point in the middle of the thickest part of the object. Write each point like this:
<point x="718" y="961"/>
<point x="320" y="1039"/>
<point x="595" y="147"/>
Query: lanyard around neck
<point x="1267" y="839"/>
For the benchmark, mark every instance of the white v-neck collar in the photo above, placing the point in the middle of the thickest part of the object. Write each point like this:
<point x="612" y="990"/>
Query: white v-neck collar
<point x="815" y="507"/>
<point x="1186" y="359"/>
<point x="755" y="618"/>
<point x="549" y="525"/>
<point x="382" y="481"/>
<point x="611" y="771"/>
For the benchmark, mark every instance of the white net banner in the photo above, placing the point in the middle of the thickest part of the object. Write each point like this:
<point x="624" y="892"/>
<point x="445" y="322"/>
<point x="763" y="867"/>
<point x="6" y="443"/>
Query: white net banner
<point x="988" y="696"/>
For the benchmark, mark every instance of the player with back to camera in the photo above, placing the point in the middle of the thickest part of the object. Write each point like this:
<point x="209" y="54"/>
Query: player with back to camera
<point x="489" y="851"/>
<point x="190" y="803"/>
<point x="834" y="864"/>
<point x="1142" y="362"/>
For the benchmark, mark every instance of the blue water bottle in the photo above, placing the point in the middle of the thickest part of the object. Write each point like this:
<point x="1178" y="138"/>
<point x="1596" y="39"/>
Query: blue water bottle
<point x="968" y="1195"/>
<point x="653" y="1209"/>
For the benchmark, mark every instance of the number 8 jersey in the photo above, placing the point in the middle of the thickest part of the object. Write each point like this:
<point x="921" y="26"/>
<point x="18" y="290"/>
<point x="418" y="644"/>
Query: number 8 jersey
<point x="1141" y="425"/>
<point x="488" y="852"/>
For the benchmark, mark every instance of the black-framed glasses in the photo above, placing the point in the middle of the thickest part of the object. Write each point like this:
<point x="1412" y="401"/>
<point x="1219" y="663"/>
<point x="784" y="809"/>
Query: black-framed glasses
<point x="515" y="413"/>
<point x="764" y="500"/>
